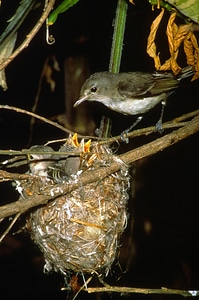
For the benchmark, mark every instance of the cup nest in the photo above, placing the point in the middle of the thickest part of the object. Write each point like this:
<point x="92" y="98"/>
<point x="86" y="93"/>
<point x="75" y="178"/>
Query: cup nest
<point x="80" y="230"/>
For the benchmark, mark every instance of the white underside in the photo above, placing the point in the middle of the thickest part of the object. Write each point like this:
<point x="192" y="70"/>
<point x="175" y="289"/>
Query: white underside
<point x="135" y="106"/>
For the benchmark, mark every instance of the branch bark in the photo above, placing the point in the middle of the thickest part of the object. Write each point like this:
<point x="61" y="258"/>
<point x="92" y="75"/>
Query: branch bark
<point x="91" y="176"/>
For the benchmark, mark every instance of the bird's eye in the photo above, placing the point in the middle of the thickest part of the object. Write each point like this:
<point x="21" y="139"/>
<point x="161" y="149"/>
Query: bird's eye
<point x="31" y="157"/>
<point x="94" y="89"/>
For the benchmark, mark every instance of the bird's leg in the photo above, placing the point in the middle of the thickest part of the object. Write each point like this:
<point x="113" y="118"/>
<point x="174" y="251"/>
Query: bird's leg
<point x="124" y="134"/>
<point x="159" y="122"/>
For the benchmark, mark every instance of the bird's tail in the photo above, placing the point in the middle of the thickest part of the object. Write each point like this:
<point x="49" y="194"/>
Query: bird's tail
<point x="186" y="72"/>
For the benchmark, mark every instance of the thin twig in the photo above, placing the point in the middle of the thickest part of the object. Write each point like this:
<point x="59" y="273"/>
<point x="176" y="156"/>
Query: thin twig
<point x="29" y="113"/>
<point x="30" y="36"/>
<point x="144" y="131"/>
<point x="7" y="176"/>
<point x="177" y="122"/>
<point x="128" y="290"/>
<point x="3" y="235"/>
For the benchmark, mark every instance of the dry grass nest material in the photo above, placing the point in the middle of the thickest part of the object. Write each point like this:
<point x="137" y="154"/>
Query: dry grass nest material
<point x="80" y="230"/>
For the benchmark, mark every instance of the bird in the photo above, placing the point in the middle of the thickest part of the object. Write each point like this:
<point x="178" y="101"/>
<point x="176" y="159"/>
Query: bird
<point x="40" y="159"/>
<point x="131" y="93"/>
<point x="66" y="165"/>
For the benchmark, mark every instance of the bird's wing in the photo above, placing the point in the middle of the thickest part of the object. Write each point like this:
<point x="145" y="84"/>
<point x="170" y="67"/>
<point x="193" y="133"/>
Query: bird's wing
<point x="136" y="84"/>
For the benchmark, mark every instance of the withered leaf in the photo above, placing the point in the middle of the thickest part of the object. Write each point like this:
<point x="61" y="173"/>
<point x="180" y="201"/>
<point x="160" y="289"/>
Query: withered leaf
<point x="151" y="46"/>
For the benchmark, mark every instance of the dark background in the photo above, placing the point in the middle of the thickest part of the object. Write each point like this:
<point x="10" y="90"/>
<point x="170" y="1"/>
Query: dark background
<point x="164" y="203"/>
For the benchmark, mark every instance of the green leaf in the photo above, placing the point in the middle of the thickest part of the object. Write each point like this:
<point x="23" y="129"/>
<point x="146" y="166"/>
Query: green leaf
<point x="17" y="19"/>
<point x="65" y="5"/>
<point x="186" y="9"/>
<point x="189" y="8"/>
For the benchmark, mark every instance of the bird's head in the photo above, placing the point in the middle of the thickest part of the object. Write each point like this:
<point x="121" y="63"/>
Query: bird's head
<point x="94" y="88"/>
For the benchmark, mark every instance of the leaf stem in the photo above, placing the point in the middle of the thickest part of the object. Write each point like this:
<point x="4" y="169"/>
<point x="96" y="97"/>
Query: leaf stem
<point x="116" y="54"/>
<point x="118" y="36"/>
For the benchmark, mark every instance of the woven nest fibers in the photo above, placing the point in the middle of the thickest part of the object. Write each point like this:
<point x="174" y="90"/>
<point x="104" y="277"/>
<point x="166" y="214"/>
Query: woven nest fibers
<point x="80" y="230"/>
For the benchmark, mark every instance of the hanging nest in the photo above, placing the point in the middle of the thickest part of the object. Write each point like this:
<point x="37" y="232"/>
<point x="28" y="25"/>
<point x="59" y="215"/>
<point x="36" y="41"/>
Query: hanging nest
<point x="80" y="230"/>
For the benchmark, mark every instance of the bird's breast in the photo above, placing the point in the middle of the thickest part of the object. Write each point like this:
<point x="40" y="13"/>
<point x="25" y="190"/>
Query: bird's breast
<point x="134" y="106"/>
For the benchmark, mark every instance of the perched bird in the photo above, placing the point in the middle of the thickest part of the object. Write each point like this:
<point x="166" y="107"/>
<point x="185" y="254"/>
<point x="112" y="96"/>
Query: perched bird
<point x="132" y="93"/>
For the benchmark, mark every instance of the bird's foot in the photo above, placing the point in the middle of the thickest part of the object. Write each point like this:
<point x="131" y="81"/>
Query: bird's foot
<point x="159" y="127"/>
<point x="124" y="136"/>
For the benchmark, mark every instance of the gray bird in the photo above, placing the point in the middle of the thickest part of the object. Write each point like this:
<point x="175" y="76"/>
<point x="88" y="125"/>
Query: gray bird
<point x="43" y="162"/>
<point x="132" y="93"/>
<point x="40" y="159"/>
<point x="66" y="164"/>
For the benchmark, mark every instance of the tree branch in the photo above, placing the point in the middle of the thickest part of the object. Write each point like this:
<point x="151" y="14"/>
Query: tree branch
<point x="92" y="176"/>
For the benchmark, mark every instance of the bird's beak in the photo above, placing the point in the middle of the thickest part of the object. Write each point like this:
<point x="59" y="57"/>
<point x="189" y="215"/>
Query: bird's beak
<point x="78" y="102"/>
